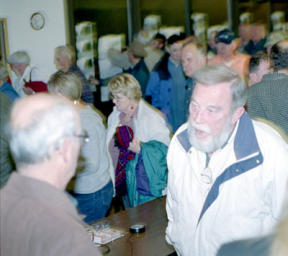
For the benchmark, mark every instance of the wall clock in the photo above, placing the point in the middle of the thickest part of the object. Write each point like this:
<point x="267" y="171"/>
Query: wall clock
<point x="37" y="20"/>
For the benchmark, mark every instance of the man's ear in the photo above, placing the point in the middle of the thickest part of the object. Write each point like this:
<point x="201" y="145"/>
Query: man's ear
<point x="64" y="149"/>
<point x="238" y="112"/>
<point x="234" y="44"/>
<point x="252" y="78"/>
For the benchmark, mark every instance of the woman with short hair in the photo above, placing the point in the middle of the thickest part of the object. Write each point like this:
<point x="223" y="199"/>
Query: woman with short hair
<point x="143" y="160"/>
<point x="93" y="187"/>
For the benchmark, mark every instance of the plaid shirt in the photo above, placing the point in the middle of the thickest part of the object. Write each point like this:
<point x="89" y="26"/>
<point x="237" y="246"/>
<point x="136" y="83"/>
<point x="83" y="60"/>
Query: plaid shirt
<point x="87" y="94"/>
<point x="268" y="99"/>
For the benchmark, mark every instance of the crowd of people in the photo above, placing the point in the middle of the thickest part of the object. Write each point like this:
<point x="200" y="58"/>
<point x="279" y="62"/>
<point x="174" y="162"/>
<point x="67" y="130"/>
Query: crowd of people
<point x="204" y="125"/>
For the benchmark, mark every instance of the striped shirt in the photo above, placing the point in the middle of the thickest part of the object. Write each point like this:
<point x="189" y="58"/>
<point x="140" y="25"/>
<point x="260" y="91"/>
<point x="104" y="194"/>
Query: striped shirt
<point x="268" y="100"/>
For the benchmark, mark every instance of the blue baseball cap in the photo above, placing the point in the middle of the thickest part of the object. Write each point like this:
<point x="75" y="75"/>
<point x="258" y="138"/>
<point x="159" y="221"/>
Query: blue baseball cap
<point x="225" y="36"/>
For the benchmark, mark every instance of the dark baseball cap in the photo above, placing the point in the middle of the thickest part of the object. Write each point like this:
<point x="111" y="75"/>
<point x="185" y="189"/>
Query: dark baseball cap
<point x="225" y="36"/>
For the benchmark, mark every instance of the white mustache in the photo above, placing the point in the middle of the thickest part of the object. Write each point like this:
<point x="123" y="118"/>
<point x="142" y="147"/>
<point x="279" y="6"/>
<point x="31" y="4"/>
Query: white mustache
<point x="200" y="128"/>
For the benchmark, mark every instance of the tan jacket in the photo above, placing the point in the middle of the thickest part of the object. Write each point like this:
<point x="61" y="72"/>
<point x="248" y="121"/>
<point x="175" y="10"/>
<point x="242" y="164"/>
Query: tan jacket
<point x="38" y="219"/>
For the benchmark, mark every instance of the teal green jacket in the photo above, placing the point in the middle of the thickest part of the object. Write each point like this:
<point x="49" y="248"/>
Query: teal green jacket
<point x="153" y="154"/>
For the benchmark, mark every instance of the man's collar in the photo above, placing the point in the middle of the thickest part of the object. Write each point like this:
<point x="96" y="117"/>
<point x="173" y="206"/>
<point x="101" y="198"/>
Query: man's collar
<point x="184" y="140"/>
<point x="171" y="61"/>
<point x="245" y="141"/>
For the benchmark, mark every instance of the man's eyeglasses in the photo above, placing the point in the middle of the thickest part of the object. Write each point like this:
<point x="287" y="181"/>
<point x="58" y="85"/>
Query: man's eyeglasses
<point x="84" y="137"/>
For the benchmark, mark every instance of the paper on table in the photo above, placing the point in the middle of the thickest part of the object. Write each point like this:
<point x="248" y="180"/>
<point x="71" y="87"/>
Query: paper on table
<point x="102" y="233"/>
<point x="106" y="235"/>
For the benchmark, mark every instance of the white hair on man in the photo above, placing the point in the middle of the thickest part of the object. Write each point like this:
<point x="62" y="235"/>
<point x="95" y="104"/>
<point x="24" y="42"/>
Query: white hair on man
<point x="19" y="57"/>
<point x="66" y="51"/>
<point x="34" y="140"/>
<point x="213" y="75"/>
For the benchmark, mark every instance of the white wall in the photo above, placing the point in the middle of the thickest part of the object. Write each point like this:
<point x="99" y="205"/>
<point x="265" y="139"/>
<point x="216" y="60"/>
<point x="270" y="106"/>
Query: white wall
<point x="39" y="44"/>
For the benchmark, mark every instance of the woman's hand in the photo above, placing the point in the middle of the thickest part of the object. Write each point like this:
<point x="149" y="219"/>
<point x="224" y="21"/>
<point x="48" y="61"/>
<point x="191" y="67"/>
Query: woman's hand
<point x="134" y="146"/>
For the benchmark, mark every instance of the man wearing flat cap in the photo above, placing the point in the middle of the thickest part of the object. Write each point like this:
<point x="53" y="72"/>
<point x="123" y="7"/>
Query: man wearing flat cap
<point x="136" y="54"/>
<point x="227" y="54"/>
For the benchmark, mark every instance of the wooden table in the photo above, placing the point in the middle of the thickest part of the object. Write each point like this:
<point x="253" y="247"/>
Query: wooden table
<point x="152" y="241"/>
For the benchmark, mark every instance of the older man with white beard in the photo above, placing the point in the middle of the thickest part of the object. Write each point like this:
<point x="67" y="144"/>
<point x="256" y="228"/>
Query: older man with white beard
<point x="227" y="173"/>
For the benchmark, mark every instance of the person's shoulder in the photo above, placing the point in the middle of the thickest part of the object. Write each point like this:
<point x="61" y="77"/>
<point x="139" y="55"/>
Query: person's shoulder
<point x="148" y="111"/>
<point x="254" y="88"/>
<point x="145" y="68"/>
<point x="180" y="140"/>
<point x="242" y="57"/>
<point x="181" y="133"/>
<point x="283" y="77"/>
<point x="272" y="133"/>
<point x="5" y="101"/>
<point x="250" y="247"/>
<point x="113" y="116"/>
<point x="259" y="87"/>
<point x="154" y="74"/>
<point x="91" y="121"/>
<point x="5" y="106"/>
<point x="182" y="128"/>
<point x="215" y="60"/>
<point x="115" y="112"/>
<point x="92" y="111"/>
<point x="77" y="71"/>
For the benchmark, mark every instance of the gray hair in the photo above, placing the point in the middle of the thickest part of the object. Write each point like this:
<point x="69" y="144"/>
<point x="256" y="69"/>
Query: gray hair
<point x="3" y="72"/>
<point x="19" y="57"/>
<point x="42" y="135"/>
<point x="200" y="48"/>
<point x="66" y="51"/>
<point x="213" y="75"/>
<point x="65" y="83"/>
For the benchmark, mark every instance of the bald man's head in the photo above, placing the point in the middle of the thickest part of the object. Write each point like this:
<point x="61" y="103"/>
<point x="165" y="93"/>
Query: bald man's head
<point x="38" y="125"/>
<point x="25" y="108"/>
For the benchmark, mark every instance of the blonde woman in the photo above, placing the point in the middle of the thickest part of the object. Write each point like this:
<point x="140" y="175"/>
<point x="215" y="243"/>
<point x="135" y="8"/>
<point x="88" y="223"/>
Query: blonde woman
<point x="93" y="186"/>
<point x="149" y="133"/>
